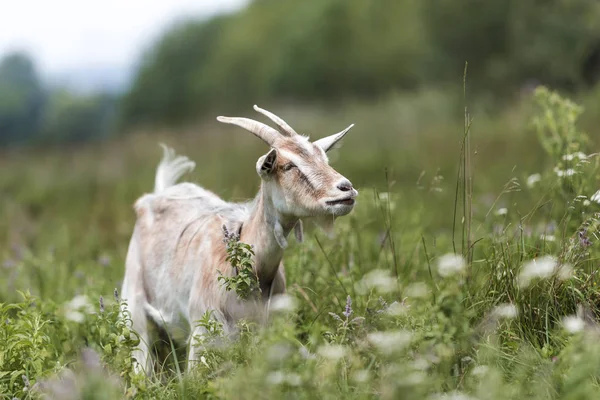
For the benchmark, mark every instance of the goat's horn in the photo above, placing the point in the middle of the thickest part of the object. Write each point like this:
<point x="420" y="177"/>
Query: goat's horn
<point x="265" y="132"/>
<point x="285" y="128"/>
<point x="328" y="142"/>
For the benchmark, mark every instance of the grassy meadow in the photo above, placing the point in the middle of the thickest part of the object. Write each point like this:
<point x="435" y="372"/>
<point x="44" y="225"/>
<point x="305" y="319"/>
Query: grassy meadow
<point x="468" y="269"/>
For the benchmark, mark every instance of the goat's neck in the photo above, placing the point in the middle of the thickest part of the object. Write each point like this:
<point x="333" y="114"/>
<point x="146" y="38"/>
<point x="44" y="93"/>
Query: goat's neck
<point x="259" y="230"/>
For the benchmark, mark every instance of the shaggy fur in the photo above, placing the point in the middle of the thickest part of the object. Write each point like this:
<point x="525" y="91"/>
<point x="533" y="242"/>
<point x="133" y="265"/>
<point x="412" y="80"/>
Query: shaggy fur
<point x="177" y="251"/>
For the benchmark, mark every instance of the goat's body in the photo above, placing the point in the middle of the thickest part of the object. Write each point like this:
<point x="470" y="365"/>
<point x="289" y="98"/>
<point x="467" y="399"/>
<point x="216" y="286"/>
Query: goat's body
<point x="173" y="263"/>
<point x="177" y="252"/>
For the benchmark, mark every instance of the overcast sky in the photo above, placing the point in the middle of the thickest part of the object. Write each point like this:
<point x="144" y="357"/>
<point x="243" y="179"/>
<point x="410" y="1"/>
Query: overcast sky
<point x="70" y="34"/>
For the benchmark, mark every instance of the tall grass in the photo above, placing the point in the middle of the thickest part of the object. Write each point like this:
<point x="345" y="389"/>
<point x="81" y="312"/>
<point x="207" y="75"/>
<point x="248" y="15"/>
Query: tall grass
<point x="392" y="307"/>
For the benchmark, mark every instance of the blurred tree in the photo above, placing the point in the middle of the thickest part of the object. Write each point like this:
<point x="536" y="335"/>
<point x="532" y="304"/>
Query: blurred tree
<point x="21" y="99"/>
<point x="279" y="48"/>
<point x="509" y="42"/>
<point x="73" y="118"/>
<point x="170" y="83"/>
<point x="549" y="40"/>
<point x="329" y="49"/>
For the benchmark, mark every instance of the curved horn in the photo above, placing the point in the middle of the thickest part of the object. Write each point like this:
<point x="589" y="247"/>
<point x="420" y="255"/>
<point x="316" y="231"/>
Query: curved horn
<point x="285" y="128"/>
<point x="327" y="143"/>
<point x="265" y="132"/>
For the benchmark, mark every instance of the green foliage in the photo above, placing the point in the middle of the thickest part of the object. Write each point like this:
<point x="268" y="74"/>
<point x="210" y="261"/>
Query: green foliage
<point x="346" y="325"/>
<point x="244" y="280"/>
<point x="512" y="42"/>
<point x="30" y="113"/>
<point x="327" y="50"/>
<point x="279" y="49"/>
<point x="76" y="118"/>
<point x="568" y="147"/>
<point x="555" y="124"/>
<point x="384" y="310"/>
<point x="26" y="351"/>
<point x="186" y="47"/>
<point x="21" y="99"/>
<point x="40" y="339"/>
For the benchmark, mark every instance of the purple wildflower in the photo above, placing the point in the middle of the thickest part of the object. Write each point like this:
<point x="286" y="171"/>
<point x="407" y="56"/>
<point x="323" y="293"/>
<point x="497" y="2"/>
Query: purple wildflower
<point x="19" y="251"/>
<point x="229" y="236"/>
<point x="584" y="240"/>
<point x="104" y="260"/>
<point x="348" y="310"/>
<point x="116" y="294"/>
<point x="101" y="304"/>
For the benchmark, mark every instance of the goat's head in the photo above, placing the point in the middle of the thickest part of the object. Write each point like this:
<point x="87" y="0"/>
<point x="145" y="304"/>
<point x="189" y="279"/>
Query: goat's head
<point x="296" y="172"/>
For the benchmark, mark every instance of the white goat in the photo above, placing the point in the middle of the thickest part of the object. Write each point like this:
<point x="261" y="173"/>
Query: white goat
<point x="177" y="251"/>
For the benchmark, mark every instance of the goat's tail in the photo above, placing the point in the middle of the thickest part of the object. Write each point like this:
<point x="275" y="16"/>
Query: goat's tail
<point x="170" y="169"/>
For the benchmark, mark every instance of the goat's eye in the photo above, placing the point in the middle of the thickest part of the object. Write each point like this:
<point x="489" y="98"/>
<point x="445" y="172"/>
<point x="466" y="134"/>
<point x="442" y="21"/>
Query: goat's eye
<point x="289" y="166"/>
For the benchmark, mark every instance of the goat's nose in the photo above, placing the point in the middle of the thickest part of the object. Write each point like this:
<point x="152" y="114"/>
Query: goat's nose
<point x="345" y="185"/>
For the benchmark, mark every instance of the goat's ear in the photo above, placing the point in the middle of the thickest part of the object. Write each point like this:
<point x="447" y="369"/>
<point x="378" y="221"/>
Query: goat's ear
<point x="299" y="231"/>
<point x="266" y="164"/>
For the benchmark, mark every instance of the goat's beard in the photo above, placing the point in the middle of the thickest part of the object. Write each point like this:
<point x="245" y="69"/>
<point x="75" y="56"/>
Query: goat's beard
<point x="325" y="222"/>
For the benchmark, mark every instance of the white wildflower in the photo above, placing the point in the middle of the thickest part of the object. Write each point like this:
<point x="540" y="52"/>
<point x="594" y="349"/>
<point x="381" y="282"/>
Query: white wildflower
<point x="74" y="316"/>
<point x="421" y="364"/>
<point x="543" y="267"/>
<point x="413" y="379"/>
<point x="386" y="198"/>
<point x="596" y="197"/>
<point x="305" y="353"/>
<point x="566" y="172"/>
<point x="548" y="238"/>
<point x="452" y="396"/>
<point x="379" y="280"/>
<point x="332" y="351"/>
<point x="502" y="211"/>
<point x="586" y="203"/>
<point x="293" y="379"/>
<point x="480" y="370"/>
<point x="450" y="264"/>
<point x="275" y="378"/>
<point x="505" y="311"/>
<point x="397" y="309"/>
<point x="417" y="290"/>
<point x="573" y="324"/>
<point x="278" y="352"/>
<point x="362" y="376"/>
<point x="579" y="155"/>
<point x="389" y="341"/>
<point x="77" y="308"/>
<point x="80" y="302"/>
<point x="533" y="179"/>
<point x="283" y="303"/>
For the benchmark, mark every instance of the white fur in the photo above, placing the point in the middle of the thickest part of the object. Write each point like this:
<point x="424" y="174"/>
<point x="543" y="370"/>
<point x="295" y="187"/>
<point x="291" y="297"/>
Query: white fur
<point x="170" y="169"/>
<point x="176" y="252"/>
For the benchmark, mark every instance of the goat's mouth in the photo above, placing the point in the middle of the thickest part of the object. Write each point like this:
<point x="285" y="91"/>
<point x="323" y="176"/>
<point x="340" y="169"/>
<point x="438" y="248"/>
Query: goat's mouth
<point x="348" y="201"/>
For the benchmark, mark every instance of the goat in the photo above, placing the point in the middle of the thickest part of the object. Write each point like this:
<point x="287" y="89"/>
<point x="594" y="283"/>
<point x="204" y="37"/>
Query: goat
<point x="177" y="250"/>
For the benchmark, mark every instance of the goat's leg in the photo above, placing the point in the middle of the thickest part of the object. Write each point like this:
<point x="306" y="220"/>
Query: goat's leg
<point x="135" y="296"/>
<point x="142" y="352"/>
<point x="198" y="338"/>
<point x="196" y="345"/>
